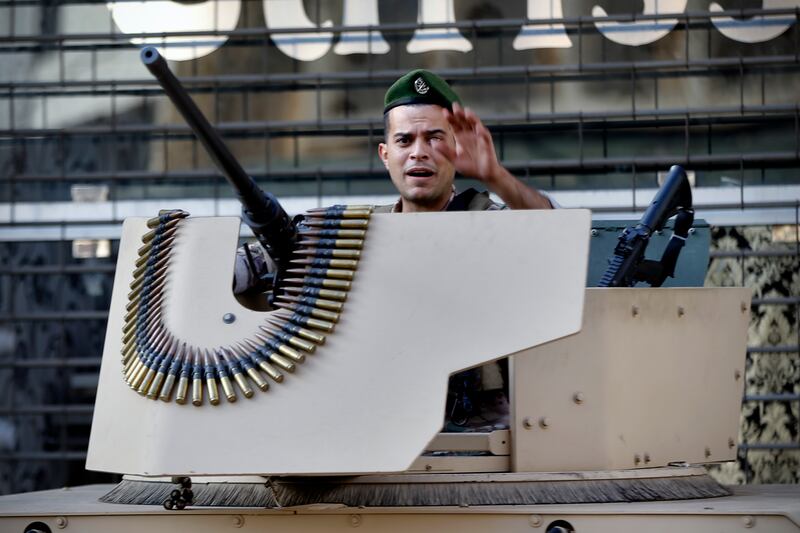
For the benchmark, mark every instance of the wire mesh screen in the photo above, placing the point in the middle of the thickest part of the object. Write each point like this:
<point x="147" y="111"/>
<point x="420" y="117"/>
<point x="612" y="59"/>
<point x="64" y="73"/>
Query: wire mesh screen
<point x="588" y="100"/>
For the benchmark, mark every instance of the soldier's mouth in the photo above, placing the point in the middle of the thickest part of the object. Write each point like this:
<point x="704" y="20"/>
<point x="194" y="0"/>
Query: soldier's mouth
<point x="420" y="172"/>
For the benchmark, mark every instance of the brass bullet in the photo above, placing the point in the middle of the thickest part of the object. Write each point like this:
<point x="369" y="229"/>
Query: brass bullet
<point x="321" y="262"/>
<point x="323" y="272"/>
<point x="289" y="339"/>
<point x="197" y="379"/>
<point x="332" y="243"/>
<point x="294" y="329"/>
<point x="310" y="311"/>
<point x="157" y="266"/>
<point x="279" y="347"/>
<point x="333" y="233"/>
<point x="160" y="249"/>
<point x="331" y="223"/>
<point x="169" y="382"/>
<point x="135" y="296"/>
<point x="340" y="208"/>
<point x="246" y="363"/>
<point x="148" y="353"/>
<point x="328" y="252"/>
<point x="166" y="216"/>
<point x="224" y="379"/>
<point x="319" y="282"/>
<point x="315" y="292"/>
<point x="211" y="383"/>
<point x="153" y="367"/>
<point x="338" y="214"/>
<point x="140" y="283"/>
<point x="153" y="306"/>
<point x="182" y="393"/>
<point x="169" y="227"/>
<point x="311" y="301"/>
<point x="304" y="320"/>
<point x="257" y="355"/>
<point x="236" y="371"/>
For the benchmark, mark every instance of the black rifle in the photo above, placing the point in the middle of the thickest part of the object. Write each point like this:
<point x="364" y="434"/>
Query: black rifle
<point x="260" y="210"/>
<point x="628" y="265"/>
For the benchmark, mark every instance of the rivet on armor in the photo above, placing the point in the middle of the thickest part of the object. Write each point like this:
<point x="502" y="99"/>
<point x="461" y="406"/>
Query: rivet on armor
<point x="635" y="311"/>
<point x="61" y="522"/>
<point x="544" y="422"/>
<point x="637" y="459"/>
<point x="737" y="375"/>
<point x="355" y="520"/>
<point x="708" y="452"/>
<point x="527" y="422"/>
<point x="238" y="521"/>
<point x="646" y="458"/>
<point x="535" y="520"/>
<point x="745" y="308"/>
<point x="681" y="311"/>
<point x="229" y="318"/>
<point x="595" y="233"/>
<point x="731" y="442"/>
<point x="578" y="398"/>
<point x="748" y="521"/>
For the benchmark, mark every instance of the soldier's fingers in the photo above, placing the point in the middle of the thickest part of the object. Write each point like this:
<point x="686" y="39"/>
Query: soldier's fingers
<point x="447" y="151"/>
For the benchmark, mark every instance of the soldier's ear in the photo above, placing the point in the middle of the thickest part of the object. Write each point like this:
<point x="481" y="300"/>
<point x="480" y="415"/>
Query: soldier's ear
<point x="383" y="154"/>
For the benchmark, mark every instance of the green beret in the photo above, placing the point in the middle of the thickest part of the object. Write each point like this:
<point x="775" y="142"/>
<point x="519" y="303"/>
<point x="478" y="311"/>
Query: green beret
<point x="420" y="87"/>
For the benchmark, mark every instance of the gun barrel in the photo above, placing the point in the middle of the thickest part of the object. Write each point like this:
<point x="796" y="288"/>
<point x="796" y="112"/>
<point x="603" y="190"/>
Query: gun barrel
<point x="260" y="210"/>
<point x="674" y="193"/>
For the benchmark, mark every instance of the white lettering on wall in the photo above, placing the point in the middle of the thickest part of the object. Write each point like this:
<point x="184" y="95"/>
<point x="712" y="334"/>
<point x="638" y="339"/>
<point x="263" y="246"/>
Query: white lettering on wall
<point x="158" y="17"/>
<point x="543" y="35"/>
<point x="361" y="13"/>
<point x="429" y="39"/>
<point x="306" y="46"/>
<point x="640" y="32"/>
<point x="163" y="16"/>
<point x="755" y="29"/>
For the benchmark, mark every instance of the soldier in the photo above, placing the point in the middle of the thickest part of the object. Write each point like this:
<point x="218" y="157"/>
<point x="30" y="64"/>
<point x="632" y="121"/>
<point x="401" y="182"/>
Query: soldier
<point x="429" y="137"/>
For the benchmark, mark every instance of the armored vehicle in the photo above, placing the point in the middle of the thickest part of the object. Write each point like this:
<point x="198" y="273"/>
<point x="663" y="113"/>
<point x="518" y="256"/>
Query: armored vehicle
<point x="324" y="412"/>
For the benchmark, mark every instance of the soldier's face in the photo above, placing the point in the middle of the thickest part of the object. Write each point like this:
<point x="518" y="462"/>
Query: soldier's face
<point x="421" y="173"/>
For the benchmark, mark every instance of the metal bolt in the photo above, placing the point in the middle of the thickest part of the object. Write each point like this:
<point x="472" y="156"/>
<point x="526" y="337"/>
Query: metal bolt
<point x="681" y="311"/>
<point x="708" y="452"/>
<point x="595" y="233"/>
<point x="646" y="458"/>
<point x="635" y="311"/>
<point x="527" y="422"/>
<point x="692" y="231"/>
<point x="578" y="398"/>
<point x="748" y="521"/>
<point x="61" y="522"/>
<point x="229" y="318"/>
<point x="637" y="459"/>
<point x="238" y="520"/>
<point x="535" y="520"/>
<point x="355" y="520"/>
<point x="544" y="422"/>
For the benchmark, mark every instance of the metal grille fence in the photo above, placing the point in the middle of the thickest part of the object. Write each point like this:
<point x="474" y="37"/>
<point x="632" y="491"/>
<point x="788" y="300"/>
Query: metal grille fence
<point x="79" y="115"/>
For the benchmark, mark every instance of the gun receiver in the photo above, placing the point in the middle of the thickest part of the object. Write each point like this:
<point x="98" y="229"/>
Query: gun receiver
<point x="628" y="265"/>
<point x="260" y="210"/>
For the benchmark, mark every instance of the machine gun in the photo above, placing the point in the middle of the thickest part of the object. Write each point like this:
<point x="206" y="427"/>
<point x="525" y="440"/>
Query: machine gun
<point x="628" y="265"/>
<point x="261" y="211"/>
